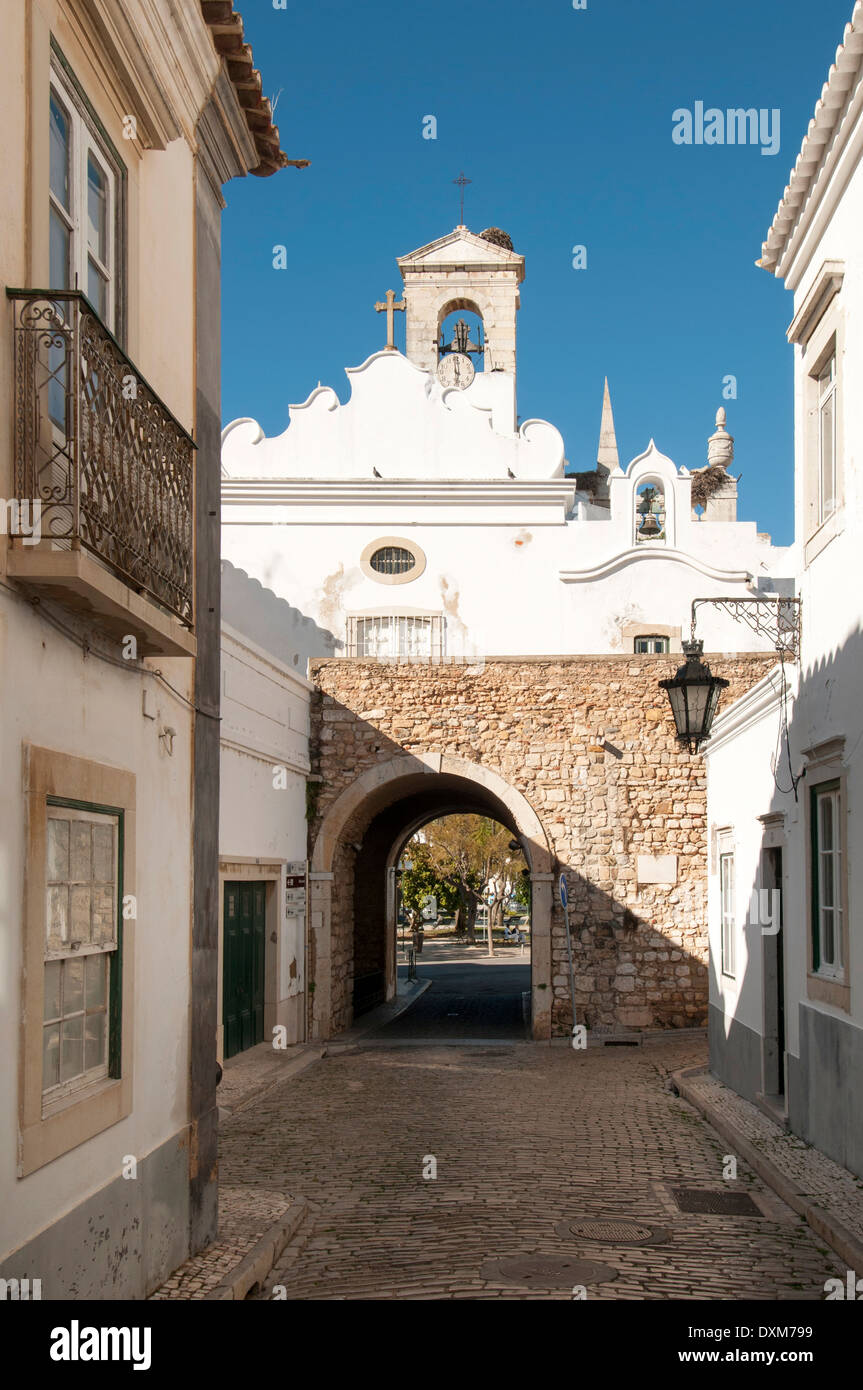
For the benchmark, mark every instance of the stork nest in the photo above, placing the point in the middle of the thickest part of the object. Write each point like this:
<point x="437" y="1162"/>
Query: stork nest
<point x="497" y="237"/>
<point x="706" y="482"/>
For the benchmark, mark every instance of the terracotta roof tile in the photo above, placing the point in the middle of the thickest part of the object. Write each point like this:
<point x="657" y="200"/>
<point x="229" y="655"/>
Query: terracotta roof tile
<point x="226" y="29"/>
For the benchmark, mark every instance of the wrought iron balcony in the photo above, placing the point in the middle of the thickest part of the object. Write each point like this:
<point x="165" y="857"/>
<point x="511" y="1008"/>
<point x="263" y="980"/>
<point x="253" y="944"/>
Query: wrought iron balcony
<point x="108" y="473"/>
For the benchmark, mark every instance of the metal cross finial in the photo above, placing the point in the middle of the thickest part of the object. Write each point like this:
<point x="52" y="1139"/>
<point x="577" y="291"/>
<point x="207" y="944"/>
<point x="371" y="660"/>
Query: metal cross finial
<point x="461" y="183"/>
<point x="391" y="308"/>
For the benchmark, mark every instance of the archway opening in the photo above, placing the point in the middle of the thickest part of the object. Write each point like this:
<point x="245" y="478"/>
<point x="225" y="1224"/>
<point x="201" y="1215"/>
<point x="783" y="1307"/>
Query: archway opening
<point x="463" y="900"/>
<point x="353" y="941"/>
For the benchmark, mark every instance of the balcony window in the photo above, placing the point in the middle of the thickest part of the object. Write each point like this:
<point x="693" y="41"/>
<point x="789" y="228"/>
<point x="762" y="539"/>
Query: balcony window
<point x="651" y="645"/>
<point x="82" y="202"/>
<point x="110" y="467"/>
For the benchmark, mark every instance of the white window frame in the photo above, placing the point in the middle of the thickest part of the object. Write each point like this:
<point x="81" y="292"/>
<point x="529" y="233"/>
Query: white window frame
<point x="653" y="637"/>
<point x="727" y="912"/>
<point x="830" y="861"/>
<point x="827" y="396"/>
<point x="85" y="142"/>
<point x="71" y="951"/>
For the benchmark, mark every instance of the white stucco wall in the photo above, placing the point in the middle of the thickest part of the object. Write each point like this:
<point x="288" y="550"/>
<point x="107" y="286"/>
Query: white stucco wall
<point x="262" y="820"/>
<point x="514" y="560"/>
<point x="51" y="694"/>
<point x="831" y="578"/>
<point x="82" y="706"/>
<point x="740" y="789"/>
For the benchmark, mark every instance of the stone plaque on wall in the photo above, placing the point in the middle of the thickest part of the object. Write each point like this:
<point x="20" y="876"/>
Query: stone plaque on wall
<point x="657" y="868"/>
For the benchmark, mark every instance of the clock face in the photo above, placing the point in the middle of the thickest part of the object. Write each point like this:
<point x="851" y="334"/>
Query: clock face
<point x="455" y="369"/>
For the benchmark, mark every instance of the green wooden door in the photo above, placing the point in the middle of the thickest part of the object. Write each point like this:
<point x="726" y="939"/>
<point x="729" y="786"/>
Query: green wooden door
<point x="243" y="966"/>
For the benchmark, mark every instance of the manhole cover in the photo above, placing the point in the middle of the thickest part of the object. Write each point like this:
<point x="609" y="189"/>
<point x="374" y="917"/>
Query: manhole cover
<point x="547" y="1271"/>
<point x="613" y="1232"/>
<point x="706" y="1203"/>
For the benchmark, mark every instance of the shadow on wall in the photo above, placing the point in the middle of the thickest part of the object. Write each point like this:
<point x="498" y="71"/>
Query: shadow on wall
<point x="272" y="622"/>
<point x="824" y="1074"/>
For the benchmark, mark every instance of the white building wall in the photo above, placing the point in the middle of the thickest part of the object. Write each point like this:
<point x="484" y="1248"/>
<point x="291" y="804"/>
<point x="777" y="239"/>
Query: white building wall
<point x="262" y="824"/>
<point x="83" y="706"/>
<point x="509" y="555"/>
<point x="817" y="253"/>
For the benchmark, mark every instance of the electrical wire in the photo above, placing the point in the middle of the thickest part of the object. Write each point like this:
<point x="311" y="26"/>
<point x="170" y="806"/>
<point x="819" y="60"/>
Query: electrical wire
<point x="36" y="606"/>
<point x="783" y="729"/>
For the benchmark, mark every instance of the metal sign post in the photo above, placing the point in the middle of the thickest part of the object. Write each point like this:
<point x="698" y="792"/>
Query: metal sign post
<point x="564" y="902"/>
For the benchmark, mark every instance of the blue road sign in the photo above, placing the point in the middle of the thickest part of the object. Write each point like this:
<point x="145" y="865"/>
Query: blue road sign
<point x="564" y="895"/>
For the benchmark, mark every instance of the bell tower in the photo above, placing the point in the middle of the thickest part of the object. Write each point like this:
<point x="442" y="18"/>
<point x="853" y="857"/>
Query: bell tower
<point x="478" y="273"/>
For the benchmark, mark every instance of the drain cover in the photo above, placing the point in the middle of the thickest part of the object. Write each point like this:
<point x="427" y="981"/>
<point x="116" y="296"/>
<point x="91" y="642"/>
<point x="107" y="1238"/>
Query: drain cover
<point x="713" y="1203"/>
<point x="613" y="1232"/>
<point x="546" y="1271"/>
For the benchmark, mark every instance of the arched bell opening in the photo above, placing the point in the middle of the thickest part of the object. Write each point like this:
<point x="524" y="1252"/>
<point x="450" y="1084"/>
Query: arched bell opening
<point x="650" y="511"/>
<point x="461" y="329"/>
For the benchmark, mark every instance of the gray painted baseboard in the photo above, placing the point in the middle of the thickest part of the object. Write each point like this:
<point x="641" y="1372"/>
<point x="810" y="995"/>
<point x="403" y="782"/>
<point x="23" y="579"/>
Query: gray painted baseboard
<point x="735" y="1059"/>
<point x="824" y="1087"/>
<point x="123" y="1241"/>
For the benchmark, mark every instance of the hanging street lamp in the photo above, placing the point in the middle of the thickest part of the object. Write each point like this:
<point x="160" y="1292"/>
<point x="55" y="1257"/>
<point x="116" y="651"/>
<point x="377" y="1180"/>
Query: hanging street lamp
<point x="693" y="694"/>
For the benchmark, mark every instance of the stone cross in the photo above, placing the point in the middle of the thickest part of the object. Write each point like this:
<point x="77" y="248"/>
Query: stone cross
<point x="391" y="308"/>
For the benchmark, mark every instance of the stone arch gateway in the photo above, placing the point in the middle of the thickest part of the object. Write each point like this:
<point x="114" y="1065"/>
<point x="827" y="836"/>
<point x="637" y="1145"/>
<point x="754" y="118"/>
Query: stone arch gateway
<point x="353" y="900"/>
<point x="577" y="756"/>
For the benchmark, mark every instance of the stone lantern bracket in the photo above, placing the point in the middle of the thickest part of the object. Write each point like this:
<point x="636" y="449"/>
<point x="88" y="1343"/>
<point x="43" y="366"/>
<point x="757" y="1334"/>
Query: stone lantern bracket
<point x="777" y="618"/>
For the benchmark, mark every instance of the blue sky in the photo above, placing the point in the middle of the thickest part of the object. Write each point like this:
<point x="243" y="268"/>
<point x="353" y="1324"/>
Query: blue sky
<point x="563" y="120"/>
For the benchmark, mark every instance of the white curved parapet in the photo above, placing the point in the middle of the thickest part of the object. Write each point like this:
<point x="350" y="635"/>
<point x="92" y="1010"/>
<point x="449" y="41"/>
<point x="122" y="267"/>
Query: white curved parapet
<point x="399" y="423"/>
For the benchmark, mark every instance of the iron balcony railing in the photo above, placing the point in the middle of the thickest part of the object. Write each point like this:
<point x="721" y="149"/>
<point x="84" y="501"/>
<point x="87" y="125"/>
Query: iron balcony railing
<point x="111" y="468"/>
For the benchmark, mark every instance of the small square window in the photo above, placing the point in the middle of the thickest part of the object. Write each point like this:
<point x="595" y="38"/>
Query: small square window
<point x="651" y="645"/>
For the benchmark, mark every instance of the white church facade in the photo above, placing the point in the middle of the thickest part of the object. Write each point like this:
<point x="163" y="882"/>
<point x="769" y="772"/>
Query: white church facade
<point x="420" y="521"/>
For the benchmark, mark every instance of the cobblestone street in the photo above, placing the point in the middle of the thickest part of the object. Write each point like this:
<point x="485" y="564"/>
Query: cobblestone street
<point x="527" y="1139"/>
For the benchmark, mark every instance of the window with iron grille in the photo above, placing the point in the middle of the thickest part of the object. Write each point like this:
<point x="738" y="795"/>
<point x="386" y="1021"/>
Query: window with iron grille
<point x="392" y="559"/>
<point x="83" y="895"/>
<point x="396" y="637"/>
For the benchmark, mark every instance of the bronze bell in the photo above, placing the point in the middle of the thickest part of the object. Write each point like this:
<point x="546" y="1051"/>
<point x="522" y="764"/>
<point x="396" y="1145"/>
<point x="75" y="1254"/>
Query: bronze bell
<point x="650" y="527"/>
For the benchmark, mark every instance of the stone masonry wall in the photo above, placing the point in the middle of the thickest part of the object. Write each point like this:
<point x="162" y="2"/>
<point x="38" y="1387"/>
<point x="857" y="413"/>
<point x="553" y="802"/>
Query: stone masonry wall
<point x="589" y="741"/>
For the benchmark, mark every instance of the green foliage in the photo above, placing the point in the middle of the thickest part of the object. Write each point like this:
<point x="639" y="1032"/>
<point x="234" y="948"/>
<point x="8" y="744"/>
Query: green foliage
<point x="522" y="891"/>
<point x="424" y="880"/>
<point x="463" y="860"/>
